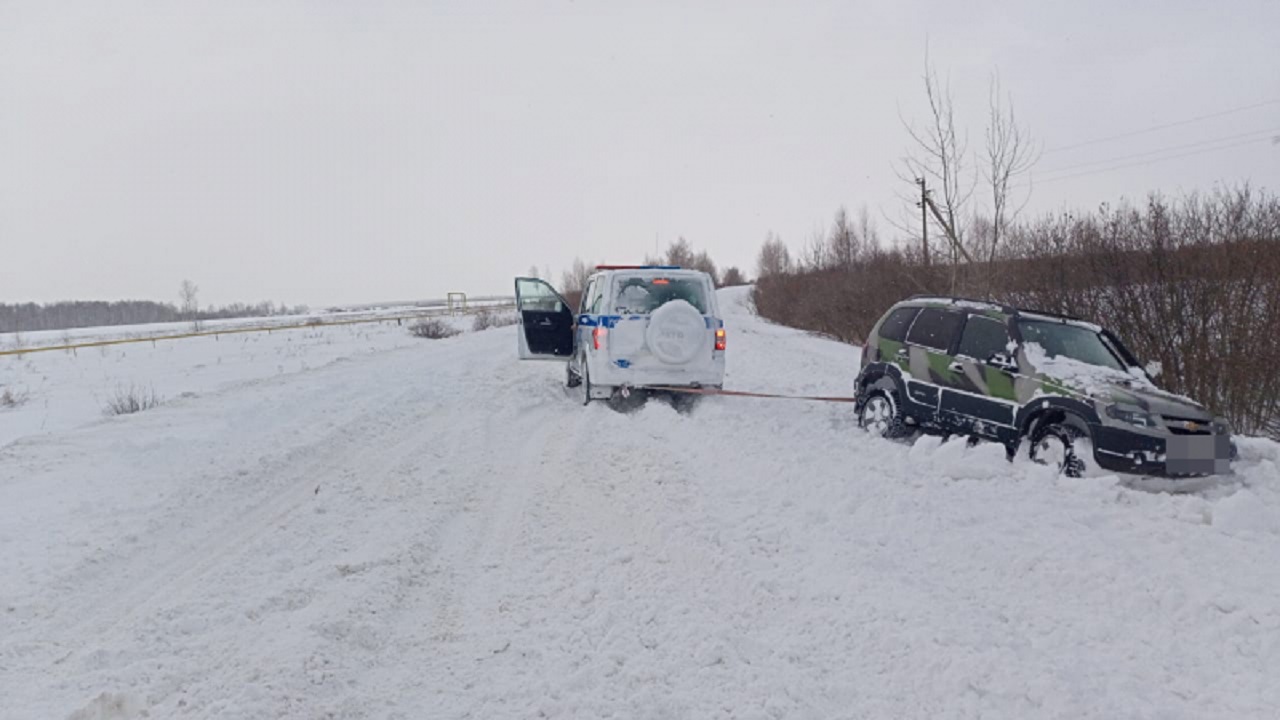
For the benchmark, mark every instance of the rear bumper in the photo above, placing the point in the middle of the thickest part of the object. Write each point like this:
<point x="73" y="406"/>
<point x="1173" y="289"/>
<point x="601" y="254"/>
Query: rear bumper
<point x="609" y="374"/>
<point x="1173" y="456"/>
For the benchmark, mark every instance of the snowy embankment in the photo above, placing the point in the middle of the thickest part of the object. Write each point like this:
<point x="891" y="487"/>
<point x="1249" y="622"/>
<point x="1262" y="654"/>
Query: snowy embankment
<point x="70" y="336"/>
<point x="59" y="390"/>
<point x="437" y="531"/>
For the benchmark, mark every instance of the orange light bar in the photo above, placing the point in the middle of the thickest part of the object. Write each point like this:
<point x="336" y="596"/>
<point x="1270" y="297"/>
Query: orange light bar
<point x="661" y="281"/>
<point x="720" y="338"/>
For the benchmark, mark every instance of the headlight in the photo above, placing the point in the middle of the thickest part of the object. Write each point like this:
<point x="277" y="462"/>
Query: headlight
<point x="1131" y="414"/>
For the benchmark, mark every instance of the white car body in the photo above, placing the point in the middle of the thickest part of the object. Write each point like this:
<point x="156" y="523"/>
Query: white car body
<point x="636" y="327"/>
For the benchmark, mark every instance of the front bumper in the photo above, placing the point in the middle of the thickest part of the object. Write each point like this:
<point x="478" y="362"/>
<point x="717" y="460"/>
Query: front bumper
<point x="1166" y="455"/>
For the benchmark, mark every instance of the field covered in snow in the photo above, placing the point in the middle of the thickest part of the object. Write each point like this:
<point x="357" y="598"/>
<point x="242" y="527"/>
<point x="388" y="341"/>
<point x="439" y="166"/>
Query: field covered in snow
<point x="359" y="524"/>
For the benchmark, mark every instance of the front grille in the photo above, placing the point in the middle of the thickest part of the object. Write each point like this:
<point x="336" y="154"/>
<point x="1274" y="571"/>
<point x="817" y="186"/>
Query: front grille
<point x="1188" y="426"/>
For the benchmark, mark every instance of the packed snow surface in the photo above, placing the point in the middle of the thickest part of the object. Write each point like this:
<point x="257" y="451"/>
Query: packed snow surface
<point x="431" y="529"/>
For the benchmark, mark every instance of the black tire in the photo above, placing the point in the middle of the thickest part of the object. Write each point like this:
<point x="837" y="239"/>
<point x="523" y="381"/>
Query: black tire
<point x="1058" y="444"/>
<point x="629" y="403"/>
<point x="881" y="414"/>
<point x="684" y="403"/>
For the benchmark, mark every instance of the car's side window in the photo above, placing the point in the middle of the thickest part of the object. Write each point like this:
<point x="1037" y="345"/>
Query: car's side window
<point x="984" y="337"/>
<point x="597" y="296"/>
<point x="585" y="305"/>
<point x="895" y="326"/>
<point x="537" y="296"/>
<point x="935" y="328"/>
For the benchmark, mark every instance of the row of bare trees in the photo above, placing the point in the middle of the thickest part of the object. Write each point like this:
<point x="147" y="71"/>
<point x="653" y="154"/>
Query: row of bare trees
<point x="1192" y="283"/>
<point x="679" y="252"/>
<point x="32" y="317"/>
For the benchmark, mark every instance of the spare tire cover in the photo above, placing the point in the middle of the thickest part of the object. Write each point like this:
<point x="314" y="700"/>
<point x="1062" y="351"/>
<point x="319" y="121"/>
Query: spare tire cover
<point x="677" y="333"/>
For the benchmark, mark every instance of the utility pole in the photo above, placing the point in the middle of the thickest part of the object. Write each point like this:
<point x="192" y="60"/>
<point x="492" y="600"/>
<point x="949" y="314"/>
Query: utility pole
<point x="924" y="218"/>
<point x="957" y="248"/>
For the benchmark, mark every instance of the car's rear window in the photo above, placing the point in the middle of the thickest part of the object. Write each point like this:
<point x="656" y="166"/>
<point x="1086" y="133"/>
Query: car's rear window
<point x="641" y="295"/>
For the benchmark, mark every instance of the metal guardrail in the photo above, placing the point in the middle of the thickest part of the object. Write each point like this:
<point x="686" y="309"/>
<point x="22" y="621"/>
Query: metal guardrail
<point x="309" y="324"/>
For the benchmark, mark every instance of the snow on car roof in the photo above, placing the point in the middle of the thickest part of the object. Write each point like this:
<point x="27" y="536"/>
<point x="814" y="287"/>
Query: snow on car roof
<point x="1043" y="317"/>
<point x="1003" y="309"/>
<point x="957" y="302"/>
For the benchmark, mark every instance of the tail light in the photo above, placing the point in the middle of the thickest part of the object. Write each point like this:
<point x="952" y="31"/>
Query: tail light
<point x="720" y="339"/>
<point x="598" y="336"/>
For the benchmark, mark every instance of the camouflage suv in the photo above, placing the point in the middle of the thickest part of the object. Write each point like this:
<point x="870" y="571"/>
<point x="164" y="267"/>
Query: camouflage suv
<point x="954" y="366"/>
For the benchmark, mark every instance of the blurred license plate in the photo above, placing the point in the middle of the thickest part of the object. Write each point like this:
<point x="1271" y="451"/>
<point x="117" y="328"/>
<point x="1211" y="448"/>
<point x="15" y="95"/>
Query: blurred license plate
<point x="1198" y="454"/>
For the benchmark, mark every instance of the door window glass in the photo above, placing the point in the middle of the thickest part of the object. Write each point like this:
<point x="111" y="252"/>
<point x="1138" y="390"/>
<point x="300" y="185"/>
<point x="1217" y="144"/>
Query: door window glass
<point x="935" y="328"/>
<point x="984" y="337"/>
<point x="537" y="296"/>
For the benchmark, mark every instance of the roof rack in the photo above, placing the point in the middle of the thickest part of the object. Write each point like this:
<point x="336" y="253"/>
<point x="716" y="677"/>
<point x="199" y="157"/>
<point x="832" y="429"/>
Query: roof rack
<point x="1048" y="313"/>
<point x="638" y="267"/>
<point x="1011" y="309"/>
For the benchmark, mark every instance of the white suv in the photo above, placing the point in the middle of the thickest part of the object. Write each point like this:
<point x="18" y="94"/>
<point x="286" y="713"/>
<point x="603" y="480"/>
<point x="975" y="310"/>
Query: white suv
<point x="638" y="327"/>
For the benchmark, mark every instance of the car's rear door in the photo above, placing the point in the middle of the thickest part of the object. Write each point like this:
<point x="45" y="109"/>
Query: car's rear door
<point x="546" y="321"/>
<point x="929" y="346"/>
<point x="980" y="396"/>
<point x="650" y="330"/>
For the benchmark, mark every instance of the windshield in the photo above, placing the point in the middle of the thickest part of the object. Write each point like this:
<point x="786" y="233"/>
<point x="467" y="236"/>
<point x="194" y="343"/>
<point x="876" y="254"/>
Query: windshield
<point x="643" y="295"/>
<point x="1069" y="341"/>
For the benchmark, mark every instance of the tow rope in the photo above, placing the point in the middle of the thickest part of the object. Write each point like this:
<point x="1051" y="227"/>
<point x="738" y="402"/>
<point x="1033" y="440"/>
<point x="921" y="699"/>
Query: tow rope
<point x="743" y="393"/>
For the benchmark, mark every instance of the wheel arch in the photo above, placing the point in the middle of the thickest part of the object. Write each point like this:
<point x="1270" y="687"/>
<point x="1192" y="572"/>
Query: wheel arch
<point x="1057" y="409"/>
<point x="879" y="376"/>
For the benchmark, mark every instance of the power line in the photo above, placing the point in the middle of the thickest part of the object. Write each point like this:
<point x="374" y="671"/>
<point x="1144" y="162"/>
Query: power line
<point x="1164" y="126"/>
<point x="1268" y="133"/>
<point x="1153" y="160"/>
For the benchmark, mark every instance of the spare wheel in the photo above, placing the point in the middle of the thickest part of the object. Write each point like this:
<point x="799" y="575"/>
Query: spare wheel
<point x="677" y="333"/>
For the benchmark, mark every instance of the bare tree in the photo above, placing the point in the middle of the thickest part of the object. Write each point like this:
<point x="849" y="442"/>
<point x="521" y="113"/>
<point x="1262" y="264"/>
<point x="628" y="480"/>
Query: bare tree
<point x="867" y="231"/>
<point x="189" y="292"/>
<point x="1010" y="153"/>
<point x="843" y="245"/>
<point x="680" y="253"/>
<point x="938" y="156"/>
<point x="816" y="254"/>
<point x="702" y="261"/>
<point x="574" y="280"/>
<point x="774" y="258"/>
<point x="732" y="277"/>
<point x="533" y="271"/>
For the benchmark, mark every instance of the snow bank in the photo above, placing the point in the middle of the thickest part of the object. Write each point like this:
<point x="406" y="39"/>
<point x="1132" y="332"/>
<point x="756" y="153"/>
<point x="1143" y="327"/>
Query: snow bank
<point x="63" y="389"/>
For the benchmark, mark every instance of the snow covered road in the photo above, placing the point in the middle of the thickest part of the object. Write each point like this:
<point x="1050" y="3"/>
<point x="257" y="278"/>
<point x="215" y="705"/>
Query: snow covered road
<point x="438" y="531"/>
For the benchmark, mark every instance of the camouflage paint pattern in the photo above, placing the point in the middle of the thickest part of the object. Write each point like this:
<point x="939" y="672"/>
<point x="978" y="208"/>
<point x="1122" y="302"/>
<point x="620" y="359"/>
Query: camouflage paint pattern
<point x="889" y="353"/>
<point x="1027" y="384"/>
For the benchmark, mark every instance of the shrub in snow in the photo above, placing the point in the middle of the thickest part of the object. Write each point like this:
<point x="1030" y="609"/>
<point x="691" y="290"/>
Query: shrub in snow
<point x="432" y="329"/>
<point x="487" y="318"/>
<point x="10" y="399"/>
<point x="130" y="400"/>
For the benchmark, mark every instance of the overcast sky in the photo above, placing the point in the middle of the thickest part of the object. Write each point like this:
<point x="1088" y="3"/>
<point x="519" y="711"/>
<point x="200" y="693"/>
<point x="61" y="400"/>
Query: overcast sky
<point x="340" y="152"/>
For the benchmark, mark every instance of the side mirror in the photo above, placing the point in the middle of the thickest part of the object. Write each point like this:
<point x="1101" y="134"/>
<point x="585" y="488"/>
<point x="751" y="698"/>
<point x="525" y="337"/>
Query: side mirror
<point x="1002" y="361"/>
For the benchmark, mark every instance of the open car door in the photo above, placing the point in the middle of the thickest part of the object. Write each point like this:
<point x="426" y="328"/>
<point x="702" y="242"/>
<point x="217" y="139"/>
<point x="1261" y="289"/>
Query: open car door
<point x="546" y="321"/>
